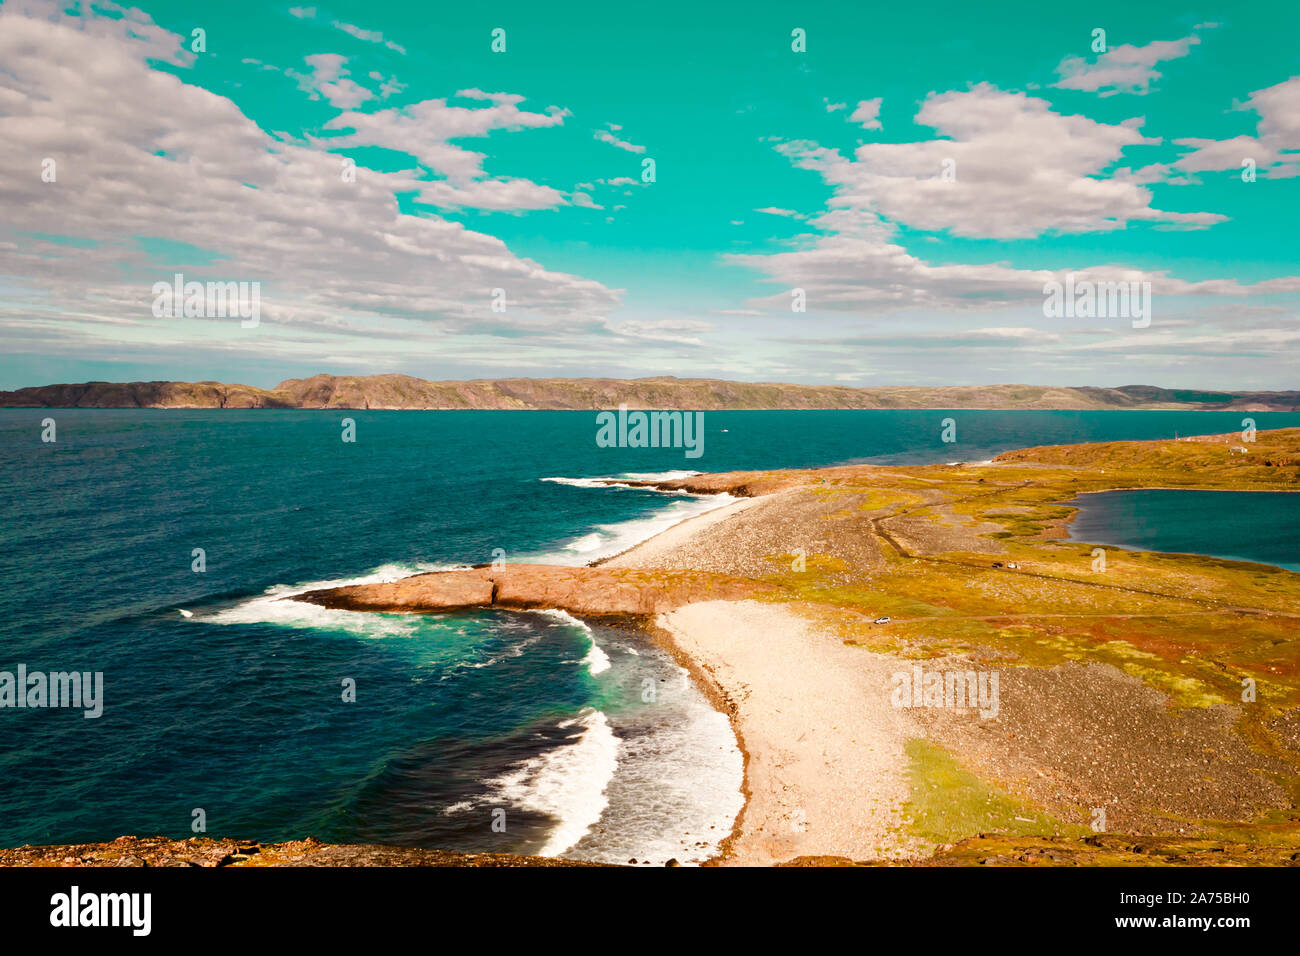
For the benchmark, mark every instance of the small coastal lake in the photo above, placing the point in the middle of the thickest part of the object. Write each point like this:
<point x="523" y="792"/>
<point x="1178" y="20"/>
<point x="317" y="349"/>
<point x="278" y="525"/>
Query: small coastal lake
<point x="1258" y="526"/>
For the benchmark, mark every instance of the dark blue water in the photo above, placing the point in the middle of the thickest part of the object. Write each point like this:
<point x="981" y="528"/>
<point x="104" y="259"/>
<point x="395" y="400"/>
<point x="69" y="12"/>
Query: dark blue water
<point x="1237" y="525"/>
<point x="237" y="710"/>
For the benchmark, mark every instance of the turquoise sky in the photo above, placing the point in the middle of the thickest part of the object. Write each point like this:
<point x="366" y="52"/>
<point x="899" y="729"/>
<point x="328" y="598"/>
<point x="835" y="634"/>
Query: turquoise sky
<point x="522" y="170"/>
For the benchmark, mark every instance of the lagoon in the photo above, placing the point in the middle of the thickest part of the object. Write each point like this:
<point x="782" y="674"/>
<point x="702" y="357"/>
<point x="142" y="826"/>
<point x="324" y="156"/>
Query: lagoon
<point x="1259" y="526"/>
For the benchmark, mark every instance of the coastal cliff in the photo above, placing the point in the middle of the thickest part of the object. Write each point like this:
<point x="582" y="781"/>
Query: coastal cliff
<point x="406" y="392"/>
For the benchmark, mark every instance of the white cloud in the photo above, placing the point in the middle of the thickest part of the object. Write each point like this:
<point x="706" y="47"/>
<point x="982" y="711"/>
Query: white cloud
<point x="678" y="331"/>
<point x="140" y="152"/>
<point x="370" y="36"/>
<point x="495" y="194"/>
<point x="424" y="130"/>
<point x="867" y="113"/>
<point x="608" y="136"/>
<point x="1275" y="146"/>
<point x="1020" y="170"/>
<point x="387" y="85"/>
<point x="329" y="78"/>
<point x="1123" y="69"/>
<point x="855" y="264"/>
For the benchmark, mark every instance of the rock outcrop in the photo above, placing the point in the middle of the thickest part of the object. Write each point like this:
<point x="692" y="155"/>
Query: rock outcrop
<point x="590" y="591"/>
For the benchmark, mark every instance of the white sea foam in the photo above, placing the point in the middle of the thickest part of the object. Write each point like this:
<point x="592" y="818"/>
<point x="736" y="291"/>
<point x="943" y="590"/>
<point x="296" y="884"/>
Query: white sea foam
<point x="677" y="788"/>
<point x="657" y="475"/>
<point x="557" y="614"/>
<point x="586" y="482"/>
<point x="608" y="540"/>
<point x="567" y="782"/>
<point x="621" y="480"/>
<point x="597" y="660"/>
<point x="675" y="782"/>
<point x="585" y="544"/>
<point x="271" y="606"/>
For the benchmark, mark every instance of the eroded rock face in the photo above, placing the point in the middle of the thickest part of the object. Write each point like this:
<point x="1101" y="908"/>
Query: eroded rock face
<point x="595" y="592"/>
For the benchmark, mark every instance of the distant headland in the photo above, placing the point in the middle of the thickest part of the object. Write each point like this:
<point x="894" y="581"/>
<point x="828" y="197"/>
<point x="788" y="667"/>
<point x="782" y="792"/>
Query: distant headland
<point x="586" y="394"/>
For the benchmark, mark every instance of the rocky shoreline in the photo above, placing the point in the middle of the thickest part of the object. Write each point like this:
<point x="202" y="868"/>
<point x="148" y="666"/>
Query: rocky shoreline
<point x="774" y="619"/>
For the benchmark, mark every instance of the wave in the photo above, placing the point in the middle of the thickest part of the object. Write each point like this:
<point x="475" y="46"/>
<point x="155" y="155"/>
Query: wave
<point x="588" y="483"/>
<point x="679" y="789"/>
<point x="607" y="540"/>
<point x="585" y="544"/>
<point x="620" y="481"/>
<point x="678" y="785"/>
<point x="657" y="475"/>
<point x="567" y="782"/>
<point x="666" y="785"/>
<point x="275" y="606"/>
<point x="597" y="660"/>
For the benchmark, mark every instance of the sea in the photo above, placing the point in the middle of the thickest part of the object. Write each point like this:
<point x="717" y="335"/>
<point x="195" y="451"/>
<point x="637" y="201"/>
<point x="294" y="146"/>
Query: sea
<point x="162" y="549"/>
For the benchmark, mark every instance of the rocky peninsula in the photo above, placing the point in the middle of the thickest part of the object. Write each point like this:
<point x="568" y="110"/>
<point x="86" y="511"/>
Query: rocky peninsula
<point x="1122" y="721"/>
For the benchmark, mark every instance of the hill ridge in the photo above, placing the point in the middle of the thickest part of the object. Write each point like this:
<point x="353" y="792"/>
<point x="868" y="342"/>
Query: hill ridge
<point x="398" y="391"/>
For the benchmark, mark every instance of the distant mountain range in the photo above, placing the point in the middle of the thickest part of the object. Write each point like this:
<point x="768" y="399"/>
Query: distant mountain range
<point x="406" y="392"/>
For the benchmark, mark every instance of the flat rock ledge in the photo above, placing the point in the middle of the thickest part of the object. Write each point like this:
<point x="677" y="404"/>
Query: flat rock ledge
<point x="590" y="591"/>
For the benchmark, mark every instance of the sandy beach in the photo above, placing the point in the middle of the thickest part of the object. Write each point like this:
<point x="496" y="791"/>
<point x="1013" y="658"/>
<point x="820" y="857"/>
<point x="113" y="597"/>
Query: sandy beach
<point x="653" y="551"/>
<point x="825" y="765"/>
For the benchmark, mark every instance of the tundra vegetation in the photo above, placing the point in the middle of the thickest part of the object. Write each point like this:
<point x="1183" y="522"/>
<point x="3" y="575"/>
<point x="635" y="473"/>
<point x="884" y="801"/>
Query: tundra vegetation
<point x="1161" y="688"/>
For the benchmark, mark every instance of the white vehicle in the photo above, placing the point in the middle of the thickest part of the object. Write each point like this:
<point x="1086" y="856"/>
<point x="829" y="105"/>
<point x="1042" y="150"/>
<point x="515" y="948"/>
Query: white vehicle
<point x="881" y="620"/>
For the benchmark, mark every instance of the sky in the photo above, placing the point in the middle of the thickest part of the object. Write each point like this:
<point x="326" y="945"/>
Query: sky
<point x="830" y="193"/>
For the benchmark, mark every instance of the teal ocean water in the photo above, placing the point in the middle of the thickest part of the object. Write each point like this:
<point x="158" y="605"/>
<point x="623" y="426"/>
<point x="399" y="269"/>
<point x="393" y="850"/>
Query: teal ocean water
<point x="590" y="741"/>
